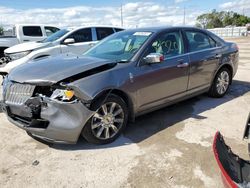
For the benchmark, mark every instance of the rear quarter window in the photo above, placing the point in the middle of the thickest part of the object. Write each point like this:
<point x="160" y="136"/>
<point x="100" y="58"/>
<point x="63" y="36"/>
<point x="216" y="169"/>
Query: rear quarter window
<point x="33" y="31"/>
<point x="212" y="42"/>
<point x="103" y="32"/>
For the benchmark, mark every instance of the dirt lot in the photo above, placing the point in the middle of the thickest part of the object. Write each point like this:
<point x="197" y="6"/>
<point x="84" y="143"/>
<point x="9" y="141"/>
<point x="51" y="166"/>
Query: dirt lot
<point x="167" y="148"/>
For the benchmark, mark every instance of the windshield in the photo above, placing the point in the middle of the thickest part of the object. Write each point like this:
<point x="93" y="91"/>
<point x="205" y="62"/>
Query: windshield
<point x="56" y="35"/>
<point x="120" y="46"/>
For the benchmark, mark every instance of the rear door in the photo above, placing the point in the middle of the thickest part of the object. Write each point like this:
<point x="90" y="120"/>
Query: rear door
<point x="204" y="57"/>
<point x="31" y="33"/>
<point x="83" y="40"/>
<point x="162" y="82"/>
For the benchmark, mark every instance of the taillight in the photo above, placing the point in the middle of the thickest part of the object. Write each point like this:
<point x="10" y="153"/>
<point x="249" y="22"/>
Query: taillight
<point x="161" y="58"/>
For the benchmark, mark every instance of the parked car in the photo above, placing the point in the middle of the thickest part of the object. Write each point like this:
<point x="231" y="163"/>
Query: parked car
<point x="25" y="33"/>
<point x="76" y="41"/>
<point x="235" y="171"/>
<point x="129" y="73"/>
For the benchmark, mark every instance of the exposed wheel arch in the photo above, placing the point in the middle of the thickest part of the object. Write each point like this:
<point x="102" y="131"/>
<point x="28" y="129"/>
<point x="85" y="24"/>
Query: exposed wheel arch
<point x="121" y="94"/>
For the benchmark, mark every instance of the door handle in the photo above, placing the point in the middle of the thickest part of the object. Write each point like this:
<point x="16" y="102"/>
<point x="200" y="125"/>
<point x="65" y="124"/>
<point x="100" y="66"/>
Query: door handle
<point x="182" y="65"/>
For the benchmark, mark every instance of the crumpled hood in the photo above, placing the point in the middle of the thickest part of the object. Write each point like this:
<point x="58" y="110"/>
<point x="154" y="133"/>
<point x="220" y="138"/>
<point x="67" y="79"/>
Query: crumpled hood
<point x="27" y="46"/>
<point x="51" y="70"/>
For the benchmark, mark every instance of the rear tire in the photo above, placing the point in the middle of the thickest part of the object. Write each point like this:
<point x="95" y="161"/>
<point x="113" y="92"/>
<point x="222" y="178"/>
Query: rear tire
<point x="220" y="83"/>
<point x="108" y="122"/>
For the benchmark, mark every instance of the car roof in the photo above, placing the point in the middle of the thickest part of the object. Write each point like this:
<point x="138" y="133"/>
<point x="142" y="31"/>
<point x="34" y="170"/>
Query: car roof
<point x="49" y="25"/>
<point x="88" y="26"/>
<point x="161" y="28"/>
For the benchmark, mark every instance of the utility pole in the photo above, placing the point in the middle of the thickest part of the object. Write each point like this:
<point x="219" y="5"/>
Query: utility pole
<point x="184" y="16"/>
<point x="121" y="17"/>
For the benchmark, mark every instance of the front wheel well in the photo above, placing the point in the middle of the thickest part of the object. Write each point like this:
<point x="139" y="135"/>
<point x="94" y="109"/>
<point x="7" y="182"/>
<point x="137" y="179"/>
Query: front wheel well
<point x="121" y="94"/>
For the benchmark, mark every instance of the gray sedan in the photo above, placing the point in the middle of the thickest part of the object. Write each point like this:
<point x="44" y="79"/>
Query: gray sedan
<point x="130" y="73"/>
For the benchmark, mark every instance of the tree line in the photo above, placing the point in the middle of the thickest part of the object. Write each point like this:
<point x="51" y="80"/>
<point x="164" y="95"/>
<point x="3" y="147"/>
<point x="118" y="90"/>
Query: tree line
<point x="221" y="19"/>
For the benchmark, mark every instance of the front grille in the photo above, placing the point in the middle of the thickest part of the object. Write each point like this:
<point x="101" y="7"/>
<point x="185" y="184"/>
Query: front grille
<point x="18" y="94"/>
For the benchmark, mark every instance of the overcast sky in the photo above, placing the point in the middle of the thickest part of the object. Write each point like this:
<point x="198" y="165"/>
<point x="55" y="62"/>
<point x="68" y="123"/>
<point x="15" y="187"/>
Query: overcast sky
<point x="135" y="13"/>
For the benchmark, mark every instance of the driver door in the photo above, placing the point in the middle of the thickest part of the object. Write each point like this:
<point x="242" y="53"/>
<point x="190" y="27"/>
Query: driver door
<point x="83" y="41"/>
<point x="163" y="82"/>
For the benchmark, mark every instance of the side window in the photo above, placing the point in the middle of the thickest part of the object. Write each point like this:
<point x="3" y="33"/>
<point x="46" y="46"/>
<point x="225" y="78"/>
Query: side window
<point x="50" y="30"/>
<point x="212" y="43"/>
<point x="169" y="44"/>
<point x="103" y="32"/>
<point x="197" y="41"/>
<point x="33" y="31"/>
<point x="82" y="35"/>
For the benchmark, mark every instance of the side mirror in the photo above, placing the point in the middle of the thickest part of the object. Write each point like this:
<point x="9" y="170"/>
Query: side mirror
<point x="69" y="41"/>
<point x="153" y="58"/>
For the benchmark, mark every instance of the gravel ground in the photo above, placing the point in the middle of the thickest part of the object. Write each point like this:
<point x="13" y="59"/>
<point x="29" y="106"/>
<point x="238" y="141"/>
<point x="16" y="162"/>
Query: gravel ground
<point x="167" y="148"/>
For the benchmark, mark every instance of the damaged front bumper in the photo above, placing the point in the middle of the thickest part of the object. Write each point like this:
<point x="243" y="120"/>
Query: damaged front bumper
<point x="235" y="171"/>
<point x="55" y="121"/>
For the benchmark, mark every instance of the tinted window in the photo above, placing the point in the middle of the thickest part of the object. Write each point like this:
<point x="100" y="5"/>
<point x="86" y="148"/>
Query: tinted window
<point x="197" y="41"/>
<point x="82" y="35"/>
<point x="34" y="31"/>
<point x="50" y="30"/>
<point x="118" y="29"/>
<point x="169" y="44"/>
<point x="103" y="32"/>
<point x="212" y="42"/>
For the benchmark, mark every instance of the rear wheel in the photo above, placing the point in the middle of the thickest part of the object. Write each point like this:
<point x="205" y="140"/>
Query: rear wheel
<point x="108" y="121"/>
<point x="221" y="83"/>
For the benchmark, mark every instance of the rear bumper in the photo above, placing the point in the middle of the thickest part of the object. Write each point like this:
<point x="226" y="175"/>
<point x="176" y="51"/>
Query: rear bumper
<point x="235" y="171"/>
<point x="59" y="122"/>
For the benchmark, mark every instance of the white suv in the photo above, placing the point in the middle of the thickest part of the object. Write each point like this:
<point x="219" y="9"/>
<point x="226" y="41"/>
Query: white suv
<point x="75" y="41"/>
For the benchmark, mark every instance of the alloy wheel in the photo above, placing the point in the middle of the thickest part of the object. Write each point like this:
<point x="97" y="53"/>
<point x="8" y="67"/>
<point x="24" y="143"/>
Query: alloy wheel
<point x="107" y="120"/>
<point x="222" y="82"/>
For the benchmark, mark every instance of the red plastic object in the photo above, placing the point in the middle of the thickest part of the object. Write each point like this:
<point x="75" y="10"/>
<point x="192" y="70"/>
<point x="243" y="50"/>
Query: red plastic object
<point x="228" y="182"/>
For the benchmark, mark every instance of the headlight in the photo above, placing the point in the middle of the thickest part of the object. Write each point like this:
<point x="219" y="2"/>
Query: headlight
<point x="63" y="95"/>
<point x="18" y="55"/>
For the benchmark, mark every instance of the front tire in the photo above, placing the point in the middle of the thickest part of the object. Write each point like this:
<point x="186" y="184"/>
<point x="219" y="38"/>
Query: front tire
<point x="221" y="83"/>
<point x="108" y="122"/>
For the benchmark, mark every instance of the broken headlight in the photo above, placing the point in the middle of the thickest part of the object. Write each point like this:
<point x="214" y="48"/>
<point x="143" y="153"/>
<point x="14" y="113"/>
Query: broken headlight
<point x="63" y="95"/>
<point x="18" y="55"/>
